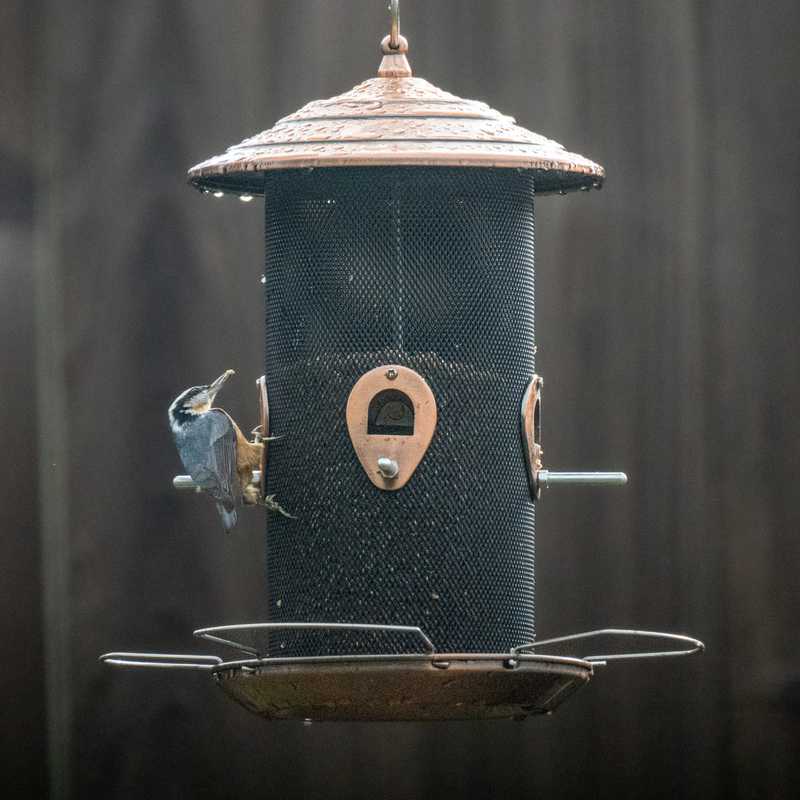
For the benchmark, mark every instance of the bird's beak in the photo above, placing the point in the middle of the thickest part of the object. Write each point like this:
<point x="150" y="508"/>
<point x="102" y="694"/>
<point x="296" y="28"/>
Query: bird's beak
<point x="217" y="385"/>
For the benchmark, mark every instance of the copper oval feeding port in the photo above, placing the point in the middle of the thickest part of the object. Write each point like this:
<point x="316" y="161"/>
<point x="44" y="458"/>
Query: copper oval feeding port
<point x="391" y="417"/>
<point x="531" y="430"/>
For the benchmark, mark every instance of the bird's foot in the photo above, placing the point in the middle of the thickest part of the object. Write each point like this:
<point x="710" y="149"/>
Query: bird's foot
<point x="273" y="505"/>
<point x="258" y="436"/>
<point x="251" y="495"/>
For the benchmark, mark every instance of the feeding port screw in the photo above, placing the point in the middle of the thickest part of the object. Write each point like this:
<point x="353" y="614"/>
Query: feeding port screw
<point x="388" y="467"/>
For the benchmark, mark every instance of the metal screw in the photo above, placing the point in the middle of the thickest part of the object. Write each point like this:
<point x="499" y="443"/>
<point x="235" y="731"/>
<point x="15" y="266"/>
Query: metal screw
<point x="388" y="467"/>
<point x="391" y="374"/>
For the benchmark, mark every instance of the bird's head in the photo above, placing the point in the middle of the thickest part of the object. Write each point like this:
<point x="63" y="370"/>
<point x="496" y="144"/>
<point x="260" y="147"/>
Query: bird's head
<point x="195" y="401"/>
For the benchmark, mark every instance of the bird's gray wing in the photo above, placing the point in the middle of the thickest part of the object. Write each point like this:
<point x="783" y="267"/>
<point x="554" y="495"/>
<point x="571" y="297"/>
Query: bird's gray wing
<point x="212" y="464"/>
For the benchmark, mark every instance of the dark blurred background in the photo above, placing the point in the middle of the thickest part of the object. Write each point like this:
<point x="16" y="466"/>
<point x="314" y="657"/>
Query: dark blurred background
<point x="667" y="328"/>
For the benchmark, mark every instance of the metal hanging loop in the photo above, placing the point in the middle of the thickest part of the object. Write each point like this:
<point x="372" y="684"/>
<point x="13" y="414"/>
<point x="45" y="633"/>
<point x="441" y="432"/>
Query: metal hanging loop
<point x="394" y="48"/>
<point x="394" y="35"/>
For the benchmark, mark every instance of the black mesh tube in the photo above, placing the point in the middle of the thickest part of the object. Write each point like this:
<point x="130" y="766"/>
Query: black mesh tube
<point x="431" y="268"/>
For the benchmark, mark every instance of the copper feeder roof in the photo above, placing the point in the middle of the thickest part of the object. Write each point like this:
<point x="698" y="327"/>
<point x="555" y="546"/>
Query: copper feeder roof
<point x="395" y="120"/>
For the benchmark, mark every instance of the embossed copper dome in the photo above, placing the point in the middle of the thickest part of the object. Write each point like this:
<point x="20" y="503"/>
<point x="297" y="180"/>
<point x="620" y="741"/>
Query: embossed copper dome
<point x="395" y="120"/>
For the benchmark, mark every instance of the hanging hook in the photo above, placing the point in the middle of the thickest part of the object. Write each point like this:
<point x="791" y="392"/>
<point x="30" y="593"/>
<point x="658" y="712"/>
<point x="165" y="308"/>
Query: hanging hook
<point x="394" y="35"/>
<point x="394" y="48"/>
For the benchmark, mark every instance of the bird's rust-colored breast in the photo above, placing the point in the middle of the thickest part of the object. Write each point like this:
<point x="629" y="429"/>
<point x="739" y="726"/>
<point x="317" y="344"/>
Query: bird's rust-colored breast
<point x="248" y="454"/>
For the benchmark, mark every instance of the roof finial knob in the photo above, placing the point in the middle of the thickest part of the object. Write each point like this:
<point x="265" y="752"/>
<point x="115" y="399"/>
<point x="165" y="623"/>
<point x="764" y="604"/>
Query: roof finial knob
<point x="394" y="48"/>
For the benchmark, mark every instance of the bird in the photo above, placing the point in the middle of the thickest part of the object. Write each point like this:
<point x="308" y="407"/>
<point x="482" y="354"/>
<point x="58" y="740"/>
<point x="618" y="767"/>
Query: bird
<point x="215" y="452"/>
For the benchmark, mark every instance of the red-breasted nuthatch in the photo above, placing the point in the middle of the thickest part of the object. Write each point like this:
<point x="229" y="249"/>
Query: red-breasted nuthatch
<point x="214" y="451"/>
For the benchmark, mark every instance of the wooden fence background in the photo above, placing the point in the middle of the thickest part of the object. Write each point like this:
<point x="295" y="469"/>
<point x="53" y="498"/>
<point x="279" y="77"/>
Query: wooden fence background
<point x="668" y="333"/>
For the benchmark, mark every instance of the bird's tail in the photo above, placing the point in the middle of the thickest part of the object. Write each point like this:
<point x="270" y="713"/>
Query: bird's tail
<point x="229" y="517"/>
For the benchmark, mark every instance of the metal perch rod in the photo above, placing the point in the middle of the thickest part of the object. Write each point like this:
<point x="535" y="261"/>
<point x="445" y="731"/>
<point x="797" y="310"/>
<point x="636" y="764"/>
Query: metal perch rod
<point x="185" y="482"/>
<point x="547" y="478"/>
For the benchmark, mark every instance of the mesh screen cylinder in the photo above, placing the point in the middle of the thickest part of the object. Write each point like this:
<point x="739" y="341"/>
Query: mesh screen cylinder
<point x="433" y="269"/>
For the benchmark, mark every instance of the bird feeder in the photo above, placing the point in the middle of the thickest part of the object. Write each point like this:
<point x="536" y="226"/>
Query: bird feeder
<point x="400" y="377"/>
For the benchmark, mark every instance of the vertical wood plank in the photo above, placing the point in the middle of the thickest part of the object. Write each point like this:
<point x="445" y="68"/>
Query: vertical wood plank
<point x="23" y="733"/>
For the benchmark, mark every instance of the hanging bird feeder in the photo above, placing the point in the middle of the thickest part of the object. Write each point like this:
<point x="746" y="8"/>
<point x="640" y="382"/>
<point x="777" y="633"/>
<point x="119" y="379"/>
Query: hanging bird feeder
<point x="399" y="288"/>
